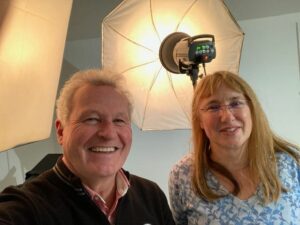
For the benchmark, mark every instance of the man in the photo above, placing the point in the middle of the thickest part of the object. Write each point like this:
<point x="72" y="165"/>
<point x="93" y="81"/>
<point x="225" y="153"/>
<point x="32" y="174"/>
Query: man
<point x="88" y="185"/>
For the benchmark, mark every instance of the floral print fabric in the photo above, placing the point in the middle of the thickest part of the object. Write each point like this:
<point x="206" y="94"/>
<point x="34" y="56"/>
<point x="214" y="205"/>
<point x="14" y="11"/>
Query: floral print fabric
<point x="189" y="209"/>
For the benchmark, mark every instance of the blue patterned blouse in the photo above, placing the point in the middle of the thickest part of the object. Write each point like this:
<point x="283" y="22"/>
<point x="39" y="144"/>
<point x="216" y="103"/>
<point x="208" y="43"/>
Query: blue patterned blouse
<point x="189" y="209"/>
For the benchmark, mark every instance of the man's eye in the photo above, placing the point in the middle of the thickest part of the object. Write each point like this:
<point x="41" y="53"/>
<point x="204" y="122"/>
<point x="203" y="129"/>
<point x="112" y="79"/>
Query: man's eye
<point x="91" y="120"/>
<point x="119" y="121"/>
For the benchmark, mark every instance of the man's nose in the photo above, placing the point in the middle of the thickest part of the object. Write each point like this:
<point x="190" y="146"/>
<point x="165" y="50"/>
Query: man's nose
<point x="107" y="129"/>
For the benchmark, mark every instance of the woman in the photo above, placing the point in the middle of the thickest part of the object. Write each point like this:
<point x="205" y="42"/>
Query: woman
<point x="239" y="172"/>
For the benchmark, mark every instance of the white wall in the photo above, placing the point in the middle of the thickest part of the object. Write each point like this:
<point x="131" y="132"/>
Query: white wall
<point x="269" y="63"/>
<point x="154" y="152"/>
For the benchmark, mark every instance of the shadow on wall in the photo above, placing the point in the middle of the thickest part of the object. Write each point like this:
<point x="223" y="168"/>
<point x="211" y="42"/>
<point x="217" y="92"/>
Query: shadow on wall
<point x="30" y="155"/>
<point x="11" y="172"/>
<point x="5" y="5"/>
<point x="14" y="163"/>
<point x="8" y="179"/>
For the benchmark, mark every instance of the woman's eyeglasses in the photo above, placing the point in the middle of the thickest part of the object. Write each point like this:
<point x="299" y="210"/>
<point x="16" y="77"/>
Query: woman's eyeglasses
<point x="233" y="106"/>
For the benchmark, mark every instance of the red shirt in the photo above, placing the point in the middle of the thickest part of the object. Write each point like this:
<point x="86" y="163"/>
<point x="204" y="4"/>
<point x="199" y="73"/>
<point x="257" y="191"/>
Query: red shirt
<point x="122" y="186"/>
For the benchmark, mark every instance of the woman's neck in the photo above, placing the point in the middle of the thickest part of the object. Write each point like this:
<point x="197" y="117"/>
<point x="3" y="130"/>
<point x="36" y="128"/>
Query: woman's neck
<point x="232" y="159"/>
<point x="237" y="163"/>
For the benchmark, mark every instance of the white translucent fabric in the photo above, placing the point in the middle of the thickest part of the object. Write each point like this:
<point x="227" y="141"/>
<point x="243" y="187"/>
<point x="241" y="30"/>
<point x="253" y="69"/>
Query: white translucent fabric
<point x="32" y="40"/>
<point x="131" y="37"/>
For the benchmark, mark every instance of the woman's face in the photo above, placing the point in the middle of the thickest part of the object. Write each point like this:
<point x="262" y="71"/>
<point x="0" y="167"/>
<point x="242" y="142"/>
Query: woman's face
<point x="226" y="119"/>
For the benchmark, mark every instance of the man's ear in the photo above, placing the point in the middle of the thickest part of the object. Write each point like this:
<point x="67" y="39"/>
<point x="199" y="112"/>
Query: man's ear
<point x="59" y="131"/>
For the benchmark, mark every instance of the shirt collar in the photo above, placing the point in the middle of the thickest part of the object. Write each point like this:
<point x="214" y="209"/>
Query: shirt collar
<point x="122" y="183"/>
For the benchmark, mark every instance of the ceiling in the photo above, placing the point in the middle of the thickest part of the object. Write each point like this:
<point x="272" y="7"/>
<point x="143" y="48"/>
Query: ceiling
<point x="251" y="9"/>
<point x="86" y="15"/>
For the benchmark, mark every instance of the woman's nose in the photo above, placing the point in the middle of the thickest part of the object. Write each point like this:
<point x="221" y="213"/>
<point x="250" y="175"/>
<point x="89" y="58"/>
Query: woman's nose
<point x="225" y="113"/>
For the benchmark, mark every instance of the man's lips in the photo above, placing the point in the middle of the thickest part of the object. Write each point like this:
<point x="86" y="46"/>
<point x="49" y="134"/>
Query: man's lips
<point x="103" y="149"/>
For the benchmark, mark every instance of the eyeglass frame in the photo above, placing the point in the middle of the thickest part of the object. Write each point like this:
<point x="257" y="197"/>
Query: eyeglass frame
<point x="230" y="106"/>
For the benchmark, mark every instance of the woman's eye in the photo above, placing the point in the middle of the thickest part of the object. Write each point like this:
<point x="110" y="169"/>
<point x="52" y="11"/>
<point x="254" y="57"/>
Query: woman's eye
<point x="236" y="104"/>
<point x="213" y="108"/>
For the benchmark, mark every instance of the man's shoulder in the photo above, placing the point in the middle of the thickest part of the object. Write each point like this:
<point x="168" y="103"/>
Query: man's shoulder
<point x="142" y="184"/>
<point x="139" y="180"/>
<point x="148" y="201"/>
<point x="16" y="201"/>
<point x="39" y="182"/>
<point x="32" y="189"/>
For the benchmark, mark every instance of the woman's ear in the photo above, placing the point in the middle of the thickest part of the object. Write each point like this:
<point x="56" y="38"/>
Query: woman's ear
<point x="201" y="125"/>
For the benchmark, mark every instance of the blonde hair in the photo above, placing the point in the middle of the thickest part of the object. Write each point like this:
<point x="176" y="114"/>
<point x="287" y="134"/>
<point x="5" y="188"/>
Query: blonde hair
<point x="95" y="77"/>
<point x="262" y="143"/>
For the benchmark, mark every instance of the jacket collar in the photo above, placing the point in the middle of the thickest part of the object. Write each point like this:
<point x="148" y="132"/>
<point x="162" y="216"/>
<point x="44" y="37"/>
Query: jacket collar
<point x="69" y="178"/>
<point x="65" y="174"/>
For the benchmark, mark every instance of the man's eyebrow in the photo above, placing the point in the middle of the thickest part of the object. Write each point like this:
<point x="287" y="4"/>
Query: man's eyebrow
<point x="87" y="112"/>
<point x="123" y="114"/>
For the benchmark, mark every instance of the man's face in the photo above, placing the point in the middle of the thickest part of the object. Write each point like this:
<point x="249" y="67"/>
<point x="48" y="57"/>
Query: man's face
<point x="97" y="137"/>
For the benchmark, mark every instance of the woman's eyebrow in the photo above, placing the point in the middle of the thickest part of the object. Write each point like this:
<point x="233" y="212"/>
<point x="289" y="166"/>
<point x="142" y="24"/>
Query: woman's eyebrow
<point x="216" y="101"/>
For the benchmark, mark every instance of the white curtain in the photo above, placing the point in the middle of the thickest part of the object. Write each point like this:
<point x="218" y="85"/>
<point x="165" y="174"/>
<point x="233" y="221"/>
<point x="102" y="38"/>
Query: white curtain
<point x="32" y="40"/>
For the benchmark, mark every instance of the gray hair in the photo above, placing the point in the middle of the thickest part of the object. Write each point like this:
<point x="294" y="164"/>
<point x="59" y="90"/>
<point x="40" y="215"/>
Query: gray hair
<point x="94" y="77"/>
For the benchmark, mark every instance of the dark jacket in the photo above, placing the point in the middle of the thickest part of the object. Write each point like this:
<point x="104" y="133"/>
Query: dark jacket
<point x="57" y="197"/>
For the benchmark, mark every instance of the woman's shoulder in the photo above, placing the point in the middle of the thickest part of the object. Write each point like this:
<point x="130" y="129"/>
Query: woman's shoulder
<point x="182" y="170"/>
<point x="288" y="169"/>
<point x="185" y="163"/>
<point x="284" y="159"/>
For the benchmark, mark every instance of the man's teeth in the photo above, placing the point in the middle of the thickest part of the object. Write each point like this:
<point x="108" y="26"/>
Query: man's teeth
<point x="103" y="149"/>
